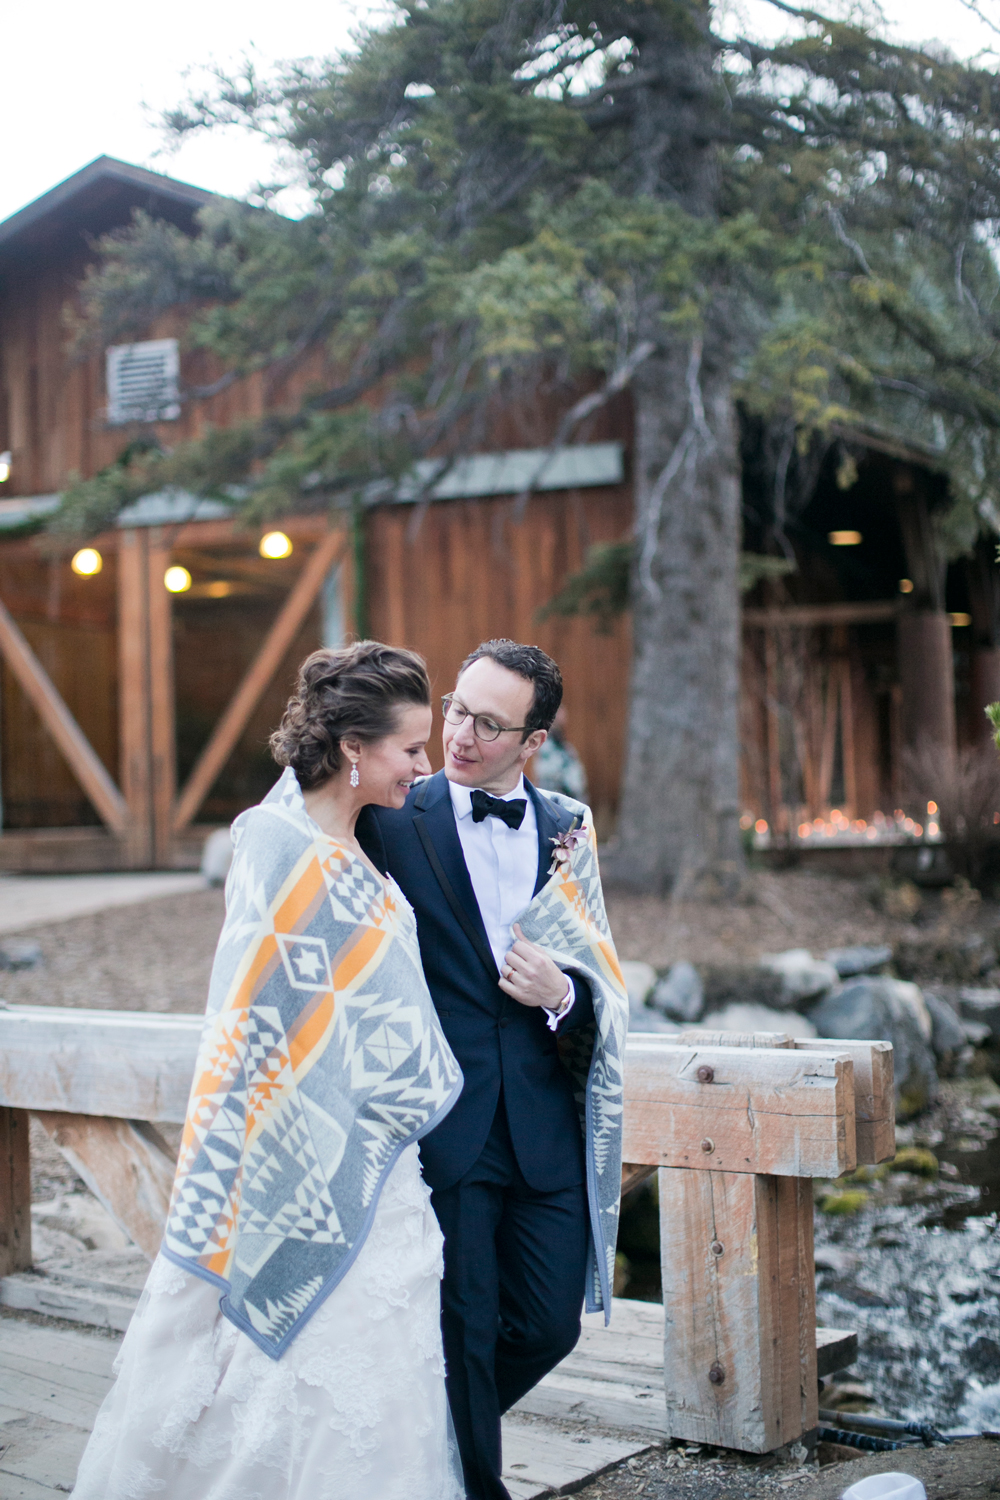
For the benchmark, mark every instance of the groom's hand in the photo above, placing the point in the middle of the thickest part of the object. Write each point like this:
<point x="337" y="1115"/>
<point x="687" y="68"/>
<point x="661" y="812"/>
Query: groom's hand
<point x="529" y="976"/>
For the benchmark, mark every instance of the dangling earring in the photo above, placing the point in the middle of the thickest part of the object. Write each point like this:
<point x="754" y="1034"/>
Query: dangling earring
<point x="355" y="778"/>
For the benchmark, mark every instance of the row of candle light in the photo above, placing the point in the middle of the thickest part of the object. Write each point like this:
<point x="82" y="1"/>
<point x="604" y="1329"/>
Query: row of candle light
<point x="88" y="562"/>
<point x="894" y="828"/>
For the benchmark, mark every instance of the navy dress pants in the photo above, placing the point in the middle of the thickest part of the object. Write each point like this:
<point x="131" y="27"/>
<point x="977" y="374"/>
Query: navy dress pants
<point x="515" y="1264"/>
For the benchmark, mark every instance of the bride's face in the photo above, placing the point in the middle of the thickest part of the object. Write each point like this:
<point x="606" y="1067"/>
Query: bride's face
<point x="388" y="767"/>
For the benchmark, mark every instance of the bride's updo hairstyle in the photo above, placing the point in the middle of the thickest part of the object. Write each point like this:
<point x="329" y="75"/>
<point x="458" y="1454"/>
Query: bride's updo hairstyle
<point x="350" y="693"/>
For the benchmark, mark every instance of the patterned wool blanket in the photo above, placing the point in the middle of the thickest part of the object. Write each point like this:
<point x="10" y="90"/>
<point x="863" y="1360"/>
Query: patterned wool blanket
<point x="321" y="1059"/>
<point x="568" y="920"/>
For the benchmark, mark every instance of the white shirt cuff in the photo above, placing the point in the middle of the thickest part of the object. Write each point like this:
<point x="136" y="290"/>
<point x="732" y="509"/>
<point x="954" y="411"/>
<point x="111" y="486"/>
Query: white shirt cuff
<point x="553" y="1017"/>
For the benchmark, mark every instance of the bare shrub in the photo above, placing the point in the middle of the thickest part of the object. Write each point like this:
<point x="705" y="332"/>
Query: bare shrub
<point x="966" y="788"/>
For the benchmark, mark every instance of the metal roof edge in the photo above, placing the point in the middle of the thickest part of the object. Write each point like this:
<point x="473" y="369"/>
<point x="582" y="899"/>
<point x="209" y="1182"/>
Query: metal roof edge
<point x="102" y="167"/>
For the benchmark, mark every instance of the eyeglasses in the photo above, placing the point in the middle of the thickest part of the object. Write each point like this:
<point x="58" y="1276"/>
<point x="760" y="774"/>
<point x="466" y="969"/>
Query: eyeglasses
<point x="483" y="727"/>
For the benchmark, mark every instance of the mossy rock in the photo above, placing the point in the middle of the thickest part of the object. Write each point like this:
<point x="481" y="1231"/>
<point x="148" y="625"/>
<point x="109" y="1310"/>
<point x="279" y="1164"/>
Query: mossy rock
<point x="916" y="1160"/>
<point x="839" y="1204"/>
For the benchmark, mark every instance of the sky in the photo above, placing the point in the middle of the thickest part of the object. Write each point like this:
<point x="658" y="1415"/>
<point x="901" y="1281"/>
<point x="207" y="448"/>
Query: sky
<point x="86" y="81"/>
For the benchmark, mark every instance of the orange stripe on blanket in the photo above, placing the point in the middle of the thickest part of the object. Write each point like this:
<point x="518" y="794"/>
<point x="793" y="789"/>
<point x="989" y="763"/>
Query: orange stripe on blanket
<point x="359" y="955"/>
<point x="303" y="900"/>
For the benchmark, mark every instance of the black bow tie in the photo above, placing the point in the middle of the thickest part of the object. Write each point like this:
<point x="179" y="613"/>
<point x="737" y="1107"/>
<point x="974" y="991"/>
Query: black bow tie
<point x="485" y="806"/>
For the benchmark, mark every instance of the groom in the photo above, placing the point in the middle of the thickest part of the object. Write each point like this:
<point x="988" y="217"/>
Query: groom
<point x="470" y="849"/>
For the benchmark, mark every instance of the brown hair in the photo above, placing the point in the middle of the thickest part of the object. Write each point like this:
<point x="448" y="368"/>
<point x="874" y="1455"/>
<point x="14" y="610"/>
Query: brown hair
<point x="352" y="692"/>
<point x="531" y="663"/>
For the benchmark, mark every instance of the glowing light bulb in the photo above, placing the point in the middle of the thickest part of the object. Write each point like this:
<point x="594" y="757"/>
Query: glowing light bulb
<point x="844" y="538"/>
<point x="932" y="808"/>
<point x="5" y="462"/>
<point x="760" y="826"/>
<point x="906" y="585"/>
<point x="87" y="562"/>
<point x="275" y="544"/>
<point x="177" y="580"/>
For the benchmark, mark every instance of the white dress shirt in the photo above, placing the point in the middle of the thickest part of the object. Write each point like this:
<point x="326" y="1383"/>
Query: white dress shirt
<point x="503" y="865"/>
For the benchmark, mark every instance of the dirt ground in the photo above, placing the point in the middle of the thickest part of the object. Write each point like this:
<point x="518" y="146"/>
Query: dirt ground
<point x="964" y="1471"/>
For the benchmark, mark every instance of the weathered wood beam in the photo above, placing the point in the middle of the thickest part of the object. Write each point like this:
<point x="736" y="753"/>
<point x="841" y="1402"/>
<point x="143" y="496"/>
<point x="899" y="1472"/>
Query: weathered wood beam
<point x="15" y="1192"/>
<point x="126" y="1164"/>
<point x="736" y="1255"/>
<point x="128" y="1065"/>
<point x="146" y="694"/>
<point x="79" y="754"/>
<point x="258" y="677"/>
<point x="729" y="1109"/>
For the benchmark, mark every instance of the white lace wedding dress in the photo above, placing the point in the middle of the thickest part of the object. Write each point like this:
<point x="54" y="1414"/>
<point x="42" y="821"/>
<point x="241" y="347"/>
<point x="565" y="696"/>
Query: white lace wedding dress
<point x="355" y="1409"/>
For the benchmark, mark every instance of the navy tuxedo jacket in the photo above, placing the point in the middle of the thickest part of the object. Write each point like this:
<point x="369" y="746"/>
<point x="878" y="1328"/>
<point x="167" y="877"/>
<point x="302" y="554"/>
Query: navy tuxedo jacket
<point x="499" y="1043"/>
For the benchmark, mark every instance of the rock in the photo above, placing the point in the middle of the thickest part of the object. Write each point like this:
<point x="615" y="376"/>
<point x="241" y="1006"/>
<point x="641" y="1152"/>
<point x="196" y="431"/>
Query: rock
<point x="948" y="1033"/>
<point x="639" y="981"/>
<point x="916" y="1160"/>
<point x="833" y="1258"/>
<point x="981" y="1006"/>
<point x="748" y="1018"/>
<point x="860" y="960"/>
<point x="19" y="953"/>
<point x="879" y="1009"/>
<point x="217" y="856"/>
<point x="950" y="959"/>
<point x="679" y="995"/>
<point x="802" y="976"/>
<point x="983" y="1355"/>
<point x="727" y="984"/>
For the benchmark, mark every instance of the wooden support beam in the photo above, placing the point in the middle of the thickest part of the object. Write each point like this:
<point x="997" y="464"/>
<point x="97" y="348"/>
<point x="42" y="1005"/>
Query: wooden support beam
<point x="874" y="1095"/>
<point x="736" y="1254"/>
<point x="15" y="1192"/>
<point x="258" y="678"/>
<point x="80" y="756"/>
<point x="126" y="1064"/>
<point x="146" y="694"/>
<point x="777" y="1111"/>
<point x="126" y="1164"/>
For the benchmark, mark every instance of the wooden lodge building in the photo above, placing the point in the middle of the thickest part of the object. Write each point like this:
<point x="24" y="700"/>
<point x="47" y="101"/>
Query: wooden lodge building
<point x="132" y="717"/>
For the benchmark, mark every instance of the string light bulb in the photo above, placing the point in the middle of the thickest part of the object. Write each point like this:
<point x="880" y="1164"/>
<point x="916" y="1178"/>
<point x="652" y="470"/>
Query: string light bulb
<point x="177" y="580"/>
<point x="275" y="545"/>
<point x="87" y="562"/>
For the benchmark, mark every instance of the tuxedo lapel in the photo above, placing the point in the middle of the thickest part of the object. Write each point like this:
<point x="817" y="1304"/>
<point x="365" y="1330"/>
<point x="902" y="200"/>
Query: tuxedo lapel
<point x="550" y="820"/>
<point x="434" y="822"/>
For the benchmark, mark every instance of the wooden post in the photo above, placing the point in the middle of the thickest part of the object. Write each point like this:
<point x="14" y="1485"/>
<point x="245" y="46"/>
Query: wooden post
<point x="927" y="679"/>
<point x="146" y="695"/>
<point x="736" y="1255"/>
<point x="15" y="1192"/>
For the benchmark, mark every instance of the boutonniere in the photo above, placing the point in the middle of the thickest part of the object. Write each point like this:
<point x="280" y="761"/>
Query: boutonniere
<point x="566" y="845"/>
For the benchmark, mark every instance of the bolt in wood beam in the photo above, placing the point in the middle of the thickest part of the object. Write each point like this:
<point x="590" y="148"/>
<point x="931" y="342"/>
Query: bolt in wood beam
<point x="80" y="756"/>
<point x="258" y="677"/>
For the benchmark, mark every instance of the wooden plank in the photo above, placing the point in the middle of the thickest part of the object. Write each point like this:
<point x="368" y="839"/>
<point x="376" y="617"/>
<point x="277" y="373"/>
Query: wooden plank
<point x="874" y="1094"/>
<point x="269" y="658"/>
<point x="739" y="1351"/>
<point x="820" y="614"/>
<point x="705" y="1037"/>
<point x="15" y="1192"/>
<point x="146" y="693"/>
<point x="567" y="1397"/>
<point x="54" y="1297"/>
<point x="560" y="1462"/>
<point x="73" y="1349"/>
<point x="127" y="1166"/>
<point x="163" y="740"/>
<point x="17" y="1488"/>
<point x="42" y="1396"/>
<point x="45" y="1453"/>
<point x="125" y="1064"/>
<point x="739" y="1110"/>
<point x="80" y="756"/>
<point x="836" y="1348"/>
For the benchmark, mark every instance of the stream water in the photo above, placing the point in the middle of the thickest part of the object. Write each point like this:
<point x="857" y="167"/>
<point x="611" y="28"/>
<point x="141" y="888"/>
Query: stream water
<point x="915" y="1270"/>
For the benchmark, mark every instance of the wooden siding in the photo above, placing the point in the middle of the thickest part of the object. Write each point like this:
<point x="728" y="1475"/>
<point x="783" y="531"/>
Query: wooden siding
<point x="468" y="570"/>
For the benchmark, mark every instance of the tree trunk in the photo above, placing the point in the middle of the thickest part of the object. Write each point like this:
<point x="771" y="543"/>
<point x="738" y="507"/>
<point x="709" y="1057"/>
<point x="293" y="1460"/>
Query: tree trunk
<point x="679" y="820"/>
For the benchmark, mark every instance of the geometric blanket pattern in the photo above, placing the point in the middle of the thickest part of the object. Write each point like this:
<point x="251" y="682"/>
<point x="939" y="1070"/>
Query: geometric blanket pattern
<point x="568" y="919"/>
<point x="321" y="1058"/>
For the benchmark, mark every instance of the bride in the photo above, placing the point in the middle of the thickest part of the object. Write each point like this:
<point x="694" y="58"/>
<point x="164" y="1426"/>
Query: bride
<point x="287" y="1345"/>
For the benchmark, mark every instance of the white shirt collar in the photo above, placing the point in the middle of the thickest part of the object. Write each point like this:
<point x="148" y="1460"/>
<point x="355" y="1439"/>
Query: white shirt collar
<point x="461" y="796"/>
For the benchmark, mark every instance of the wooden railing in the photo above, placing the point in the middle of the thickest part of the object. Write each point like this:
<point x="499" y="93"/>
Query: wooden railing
<point x="736" y="1126"/>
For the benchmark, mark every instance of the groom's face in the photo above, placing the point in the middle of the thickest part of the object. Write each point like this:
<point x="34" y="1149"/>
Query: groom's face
<point x="487" y="688"/>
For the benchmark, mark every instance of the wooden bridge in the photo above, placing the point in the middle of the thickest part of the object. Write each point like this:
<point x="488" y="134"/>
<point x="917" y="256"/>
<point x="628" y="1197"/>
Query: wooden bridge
<point x="736" y="1126"/>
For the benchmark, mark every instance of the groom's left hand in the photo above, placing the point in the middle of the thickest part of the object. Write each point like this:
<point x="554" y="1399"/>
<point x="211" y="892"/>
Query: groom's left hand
<point x="529" y="976"/>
